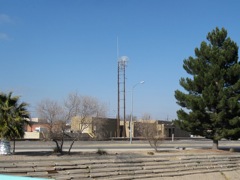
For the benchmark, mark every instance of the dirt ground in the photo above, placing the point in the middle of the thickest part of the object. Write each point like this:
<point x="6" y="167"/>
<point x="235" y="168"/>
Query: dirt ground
<point x="51" y="155"/>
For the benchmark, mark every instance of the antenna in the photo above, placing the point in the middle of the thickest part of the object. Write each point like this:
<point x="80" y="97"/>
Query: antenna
<point x="117" y="49"/>
<point x="122" y="63"/>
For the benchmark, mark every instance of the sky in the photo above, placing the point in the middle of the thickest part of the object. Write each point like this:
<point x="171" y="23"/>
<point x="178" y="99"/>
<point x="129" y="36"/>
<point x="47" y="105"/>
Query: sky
<point x="50" y="48"/>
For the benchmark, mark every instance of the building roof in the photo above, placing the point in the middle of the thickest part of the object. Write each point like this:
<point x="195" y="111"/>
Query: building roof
<point x="164" y="122"/>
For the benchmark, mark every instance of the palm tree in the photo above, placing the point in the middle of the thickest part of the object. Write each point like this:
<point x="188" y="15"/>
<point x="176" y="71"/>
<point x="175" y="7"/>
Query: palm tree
<point x="13" y="116"/>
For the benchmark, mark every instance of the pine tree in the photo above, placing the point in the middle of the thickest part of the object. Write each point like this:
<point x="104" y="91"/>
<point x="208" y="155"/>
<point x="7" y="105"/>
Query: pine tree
<point x="211" y="100"/>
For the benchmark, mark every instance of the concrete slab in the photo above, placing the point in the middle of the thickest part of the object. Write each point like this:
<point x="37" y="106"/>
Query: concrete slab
<point x="231" y="175"/>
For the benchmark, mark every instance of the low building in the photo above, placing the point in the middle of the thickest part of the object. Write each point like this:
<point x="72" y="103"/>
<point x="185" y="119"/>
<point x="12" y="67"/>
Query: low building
<point x="36" y="129"/>
<point x="36" y="125"/>
<point x="104" y="127"/>
<point x="95" y="127"/>
<point x="169" y="129"/>
<point x="162" y="128"/>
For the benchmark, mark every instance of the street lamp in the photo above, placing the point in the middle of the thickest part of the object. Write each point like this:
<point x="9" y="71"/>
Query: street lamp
<point x="131" y="128"/>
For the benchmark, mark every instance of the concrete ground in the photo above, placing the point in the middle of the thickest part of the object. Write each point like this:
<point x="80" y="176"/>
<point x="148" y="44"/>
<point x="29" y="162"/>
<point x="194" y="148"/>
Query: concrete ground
<point x="230" y="174"/>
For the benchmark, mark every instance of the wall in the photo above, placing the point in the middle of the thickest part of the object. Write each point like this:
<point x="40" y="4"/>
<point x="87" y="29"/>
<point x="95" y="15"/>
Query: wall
<point x="104" y="127"/>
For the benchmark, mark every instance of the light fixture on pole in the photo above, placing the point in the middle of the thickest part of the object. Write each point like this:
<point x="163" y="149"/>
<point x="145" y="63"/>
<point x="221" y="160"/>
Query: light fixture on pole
<point x="131" y="127"/>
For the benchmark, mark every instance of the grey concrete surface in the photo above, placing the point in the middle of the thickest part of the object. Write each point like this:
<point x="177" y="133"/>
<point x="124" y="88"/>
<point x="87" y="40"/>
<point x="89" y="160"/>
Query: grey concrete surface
<point x="170" y="164"/>
<point x="123" y="145"/>
<point x="178" y="165"/>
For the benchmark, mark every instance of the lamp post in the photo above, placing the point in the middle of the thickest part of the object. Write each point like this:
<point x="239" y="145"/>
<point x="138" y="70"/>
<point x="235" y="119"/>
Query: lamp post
<point x="131" y="127"/>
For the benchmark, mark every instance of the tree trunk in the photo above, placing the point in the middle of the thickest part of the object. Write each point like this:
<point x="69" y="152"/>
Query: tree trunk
<point x="61" y="146"/>
<point x="59" y="150"/>
<point x="14" y="143"/>
<point x="215" y="144"/>
<point x="69" y="150"/>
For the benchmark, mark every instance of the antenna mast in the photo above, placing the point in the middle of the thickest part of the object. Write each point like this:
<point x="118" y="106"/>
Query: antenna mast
<point x="122" y="63"/>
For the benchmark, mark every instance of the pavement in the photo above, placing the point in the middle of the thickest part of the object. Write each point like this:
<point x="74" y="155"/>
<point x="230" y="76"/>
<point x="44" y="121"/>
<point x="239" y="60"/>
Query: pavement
<point x="173" y="165"/>
<point x="90" y="146"/>
<point x="27" y="151"/>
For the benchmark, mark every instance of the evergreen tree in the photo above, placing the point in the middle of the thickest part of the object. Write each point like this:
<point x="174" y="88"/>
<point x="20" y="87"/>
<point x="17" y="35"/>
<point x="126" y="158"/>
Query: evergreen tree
<point x="210" y="102"/>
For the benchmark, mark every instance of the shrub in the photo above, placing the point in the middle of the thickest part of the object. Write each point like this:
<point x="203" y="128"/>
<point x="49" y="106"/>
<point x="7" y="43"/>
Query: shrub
<point x="101" y="152"/>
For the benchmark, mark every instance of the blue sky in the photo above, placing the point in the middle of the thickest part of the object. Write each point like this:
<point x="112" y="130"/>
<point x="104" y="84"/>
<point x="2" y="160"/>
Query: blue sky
<point x="50" y="48"/>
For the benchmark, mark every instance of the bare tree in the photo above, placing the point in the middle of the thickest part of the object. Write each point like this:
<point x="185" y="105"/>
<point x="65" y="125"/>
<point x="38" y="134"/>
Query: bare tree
<point x="72" y="106"/>
<point x="149" y="130"/>
<point x="59" y="116"/>
<point x="87" y="108"/>
<point x="53" y="113"/>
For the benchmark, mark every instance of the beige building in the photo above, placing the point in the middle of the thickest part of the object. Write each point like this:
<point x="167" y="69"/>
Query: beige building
<point x="162" y="128"/>
<point x="95" y="127"/>
<point x="36" y="129"/>
<point x="101" y="128"/>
